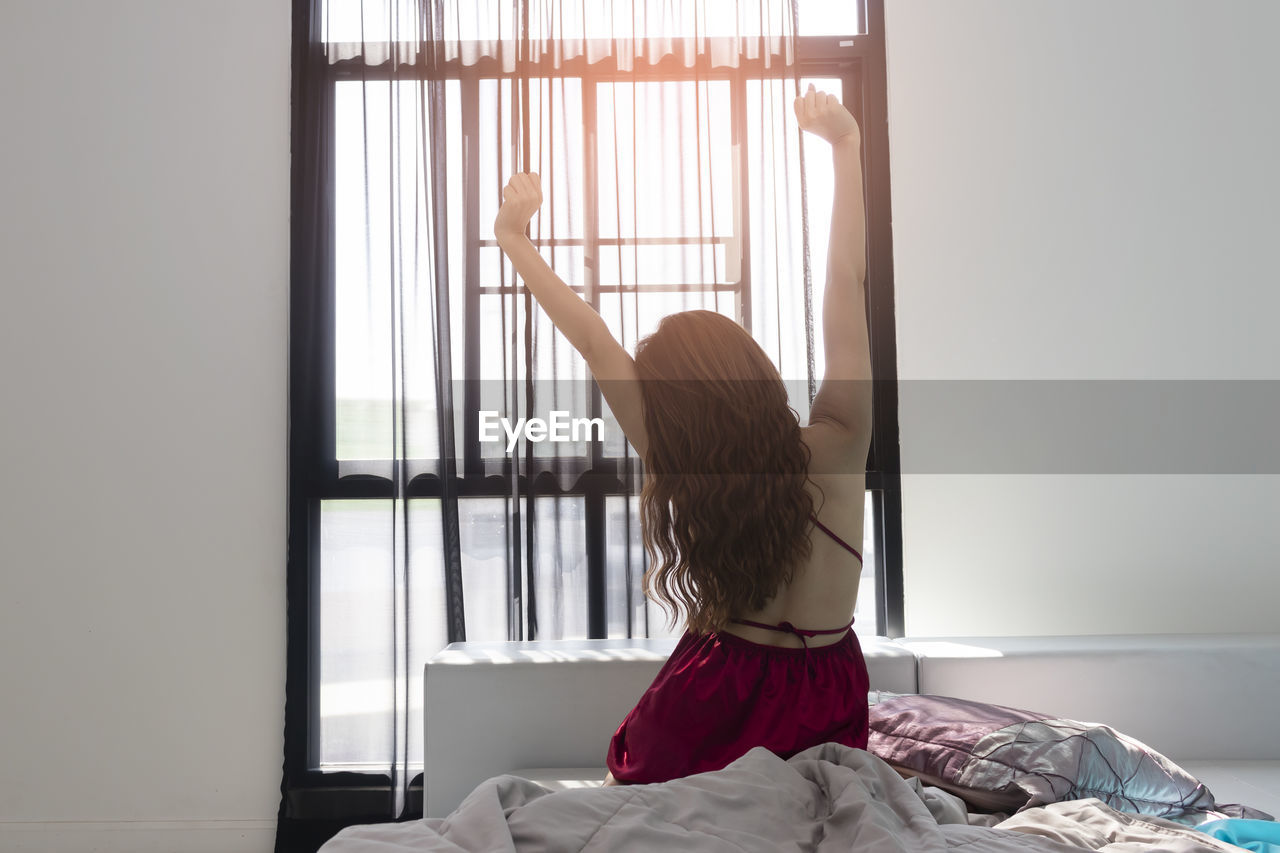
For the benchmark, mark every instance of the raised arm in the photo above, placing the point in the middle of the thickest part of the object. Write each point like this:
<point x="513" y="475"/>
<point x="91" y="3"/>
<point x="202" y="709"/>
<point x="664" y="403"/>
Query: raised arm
<point x="844" y="399"/>
<point x="611" y="365"/>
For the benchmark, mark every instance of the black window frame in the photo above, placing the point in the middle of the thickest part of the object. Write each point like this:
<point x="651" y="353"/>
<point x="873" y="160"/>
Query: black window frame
<point x="317" y="803"/>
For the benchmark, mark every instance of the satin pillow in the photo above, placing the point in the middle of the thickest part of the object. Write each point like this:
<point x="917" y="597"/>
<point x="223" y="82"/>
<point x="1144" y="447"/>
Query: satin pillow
<point x="1004" y="759"/>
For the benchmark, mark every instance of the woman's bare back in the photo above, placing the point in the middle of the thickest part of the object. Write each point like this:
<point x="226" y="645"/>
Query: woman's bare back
<point x="823" y="591"/>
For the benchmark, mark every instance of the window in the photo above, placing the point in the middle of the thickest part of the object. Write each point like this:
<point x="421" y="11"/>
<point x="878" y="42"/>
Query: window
<point x="378" y="371"/>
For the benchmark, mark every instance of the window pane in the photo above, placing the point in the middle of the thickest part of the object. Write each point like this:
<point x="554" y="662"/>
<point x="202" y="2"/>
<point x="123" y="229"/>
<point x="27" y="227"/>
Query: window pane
<point x="629" y="612"/>
<point x="555" y="152"/>
<point x="384" y="274"/>
<point x="657" y="135"/>
<point x="358" y="621"/>
<point x="501" y="325"/>
<point x="487" y="588"/>
<point x="832" y="17"/>
<point x="495" y="594"/>
<point x="561" y="568"/>
<point x="632" y="317"/>
<point x="819" y="183"/>
<point x="667" y="263"/>
<point x="864" y="613"/>
<point x="562" y="378"/>
<point x="777" y="264"/>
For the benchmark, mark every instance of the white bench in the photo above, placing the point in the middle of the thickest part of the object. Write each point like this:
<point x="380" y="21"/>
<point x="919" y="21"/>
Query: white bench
<point x="546" y="710"/>
<point x="493" y="708"/>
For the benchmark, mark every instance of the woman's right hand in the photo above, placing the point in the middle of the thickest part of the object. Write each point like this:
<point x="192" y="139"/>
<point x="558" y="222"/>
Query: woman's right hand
<point x="822" y="114"/>
<point x="520" y="201"/>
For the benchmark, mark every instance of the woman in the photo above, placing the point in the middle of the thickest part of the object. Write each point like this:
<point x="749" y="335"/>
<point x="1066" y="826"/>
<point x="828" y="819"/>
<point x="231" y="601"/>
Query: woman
<point x="746" y="515"/>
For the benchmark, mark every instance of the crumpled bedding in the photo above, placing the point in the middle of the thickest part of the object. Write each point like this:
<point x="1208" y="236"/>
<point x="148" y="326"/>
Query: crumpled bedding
<point x="827" y="798"/>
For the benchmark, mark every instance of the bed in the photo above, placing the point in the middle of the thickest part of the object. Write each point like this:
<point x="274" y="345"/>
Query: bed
<point x="957" y="761"/>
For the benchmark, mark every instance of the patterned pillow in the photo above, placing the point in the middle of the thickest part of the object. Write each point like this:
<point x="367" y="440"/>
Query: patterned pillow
<point x="1004" y="759"/>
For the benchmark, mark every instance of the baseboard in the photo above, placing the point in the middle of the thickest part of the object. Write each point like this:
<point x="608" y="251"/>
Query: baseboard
<point x="138" y="836"/>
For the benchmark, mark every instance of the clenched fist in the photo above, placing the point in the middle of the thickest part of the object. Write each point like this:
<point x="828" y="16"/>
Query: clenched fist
<point x="521" y="199"/>
<point x="823" y="114"/>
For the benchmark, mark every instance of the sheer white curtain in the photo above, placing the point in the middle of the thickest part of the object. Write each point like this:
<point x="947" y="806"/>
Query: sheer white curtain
<point x="674" y="178"/>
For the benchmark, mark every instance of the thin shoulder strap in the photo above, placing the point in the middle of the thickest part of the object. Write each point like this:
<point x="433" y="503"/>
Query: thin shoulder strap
<point x="824" y="529"/>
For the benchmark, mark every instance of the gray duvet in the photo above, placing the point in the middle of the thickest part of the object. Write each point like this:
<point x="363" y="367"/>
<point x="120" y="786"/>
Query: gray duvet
<point x="828" y="798"/>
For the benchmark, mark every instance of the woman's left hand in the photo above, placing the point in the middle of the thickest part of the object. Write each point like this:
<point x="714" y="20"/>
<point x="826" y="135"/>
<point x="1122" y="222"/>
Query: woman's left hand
<point x="822" y="114"/>
<point x="521" y="199"/>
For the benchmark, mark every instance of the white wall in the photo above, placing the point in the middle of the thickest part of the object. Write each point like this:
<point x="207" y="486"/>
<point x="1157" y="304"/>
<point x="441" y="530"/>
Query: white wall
<point x="144" y="174"/>
<point x="1084" y="191"/>
<point x="1057" y="175"/>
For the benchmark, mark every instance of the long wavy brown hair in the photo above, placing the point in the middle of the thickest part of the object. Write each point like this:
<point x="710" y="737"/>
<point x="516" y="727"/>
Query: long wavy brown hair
<point x="723" y="510"/>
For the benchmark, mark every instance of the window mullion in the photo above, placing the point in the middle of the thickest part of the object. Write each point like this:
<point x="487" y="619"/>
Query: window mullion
<point x="742" y="208"/>
<point x="470" y="112"/>
<point x="594" y="509"/>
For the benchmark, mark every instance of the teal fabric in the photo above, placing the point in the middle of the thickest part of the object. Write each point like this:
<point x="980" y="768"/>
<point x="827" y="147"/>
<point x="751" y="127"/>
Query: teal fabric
<point x="1260" y="836"/>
